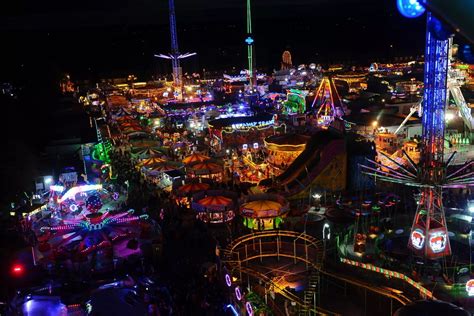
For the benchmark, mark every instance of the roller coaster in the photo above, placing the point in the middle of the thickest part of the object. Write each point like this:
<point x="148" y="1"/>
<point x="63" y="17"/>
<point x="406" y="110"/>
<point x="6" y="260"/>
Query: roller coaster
<point x="299" y="248"/>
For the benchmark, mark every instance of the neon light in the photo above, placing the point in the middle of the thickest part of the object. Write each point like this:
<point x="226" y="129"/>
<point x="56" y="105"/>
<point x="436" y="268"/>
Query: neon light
<point x="232" y="308"/>
<point x="228" y="281"/>
<point x="417" y="238"/>
<point x="73" y="207"/>
<point x="389" y="273"/>
<point x="238" y="295"/>
<point x="249" y="308"/>
<point x="410" y="8"/>
<point x="249" y="40"/>
<point x="79" y="189"/>
<point x="470" y="287"/>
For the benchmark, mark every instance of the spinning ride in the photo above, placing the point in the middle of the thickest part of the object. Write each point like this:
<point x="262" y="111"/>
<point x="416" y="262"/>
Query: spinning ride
<point x="264" y="211"/>
<point x="429" y="235"/>
<point x="215" y="206"/>
<point x="328" y="102"/>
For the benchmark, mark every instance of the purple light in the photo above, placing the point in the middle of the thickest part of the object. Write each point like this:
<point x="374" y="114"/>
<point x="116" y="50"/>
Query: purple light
<point x="249" y="308"/>
<point x="238" y="295"/>
<point x="228" y="281"/>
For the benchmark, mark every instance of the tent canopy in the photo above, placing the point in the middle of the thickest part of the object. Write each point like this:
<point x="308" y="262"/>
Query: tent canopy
<point x="195" y="158"/>
<point x="216" y="200"/>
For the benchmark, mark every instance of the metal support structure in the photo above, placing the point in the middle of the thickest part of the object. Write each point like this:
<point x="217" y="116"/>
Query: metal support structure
<point x="250" y="49"/>
<point x="429" y="235"/>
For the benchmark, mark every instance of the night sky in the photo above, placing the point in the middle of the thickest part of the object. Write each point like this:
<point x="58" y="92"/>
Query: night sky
<point x="96" y="39"/>
<point x="104" y="38"/>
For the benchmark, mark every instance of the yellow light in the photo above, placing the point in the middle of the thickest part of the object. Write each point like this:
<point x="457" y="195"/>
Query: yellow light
<point x="375" y="123"/>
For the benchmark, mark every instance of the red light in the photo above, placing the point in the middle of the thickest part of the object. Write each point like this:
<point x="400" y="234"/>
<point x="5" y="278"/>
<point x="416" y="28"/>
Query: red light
<point x="17" y="269"/>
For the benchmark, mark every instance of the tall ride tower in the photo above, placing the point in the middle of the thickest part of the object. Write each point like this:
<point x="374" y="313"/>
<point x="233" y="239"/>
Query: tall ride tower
<point x="250" y="49"/>
<point x="175" y="55"/>
<point x="429" y="235"/>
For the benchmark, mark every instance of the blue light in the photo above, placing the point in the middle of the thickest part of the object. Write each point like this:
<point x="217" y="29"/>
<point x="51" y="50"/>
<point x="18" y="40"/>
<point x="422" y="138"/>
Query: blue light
<point x="410" y="8"/>
<point x="249" y="40"/>
<point x="232" y="308"/>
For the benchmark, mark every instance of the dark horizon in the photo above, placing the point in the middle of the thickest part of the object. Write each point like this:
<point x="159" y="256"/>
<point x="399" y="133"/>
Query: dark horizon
<point x="91" y="44"/>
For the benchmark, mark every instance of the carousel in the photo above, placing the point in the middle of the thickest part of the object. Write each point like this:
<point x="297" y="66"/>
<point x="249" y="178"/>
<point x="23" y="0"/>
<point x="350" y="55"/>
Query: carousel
<point x="264" y="211"/>
<point x="84" y="226"/>
<point x="184" y="190"/>
<point x="215" y="206"/>
<point x="211" y="169"/>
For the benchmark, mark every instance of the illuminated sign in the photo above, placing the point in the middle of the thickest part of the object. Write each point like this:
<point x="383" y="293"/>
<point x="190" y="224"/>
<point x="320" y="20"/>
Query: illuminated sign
<point x="253" y="124"/>
<point x="417" y="238"/>
<point x="438" y="241"/>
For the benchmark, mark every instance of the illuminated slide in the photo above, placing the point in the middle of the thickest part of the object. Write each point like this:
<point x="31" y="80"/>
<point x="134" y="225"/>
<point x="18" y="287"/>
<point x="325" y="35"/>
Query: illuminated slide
<point x="322" y="165"/>
<point x="461" y="104"/>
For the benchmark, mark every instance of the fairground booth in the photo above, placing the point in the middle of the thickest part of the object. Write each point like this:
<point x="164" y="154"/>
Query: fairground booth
<point x="264" y="211"/>
<point x="241" y="132"/>
<point x="215" y="206"/>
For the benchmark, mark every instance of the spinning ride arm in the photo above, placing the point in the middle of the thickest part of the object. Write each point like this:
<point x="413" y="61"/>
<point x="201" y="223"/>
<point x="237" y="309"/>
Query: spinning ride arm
<point x="413" y="110"/>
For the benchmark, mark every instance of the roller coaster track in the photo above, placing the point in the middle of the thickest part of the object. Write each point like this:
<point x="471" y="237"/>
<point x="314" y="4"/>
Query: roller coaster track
<point x="384" y="291"/>
<point x="282" y="291"/>
<point x="233" y="259"/>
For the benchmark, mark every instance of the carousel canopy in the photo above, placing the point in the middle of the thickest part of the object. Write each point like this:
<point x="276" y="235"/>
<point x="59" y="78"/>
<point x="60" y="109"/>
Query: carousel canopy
<point x="131" y="124"/>
<point x="261" y="208"/>
<point x="164" y="166"/>
<point x="195" y="158"/>
<point x="147" y="162"/>
<point x="216" y="200"/>
<point x="146" y="152"/>
<point x="207" y="165"/>
<point x="193" y="187"/>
